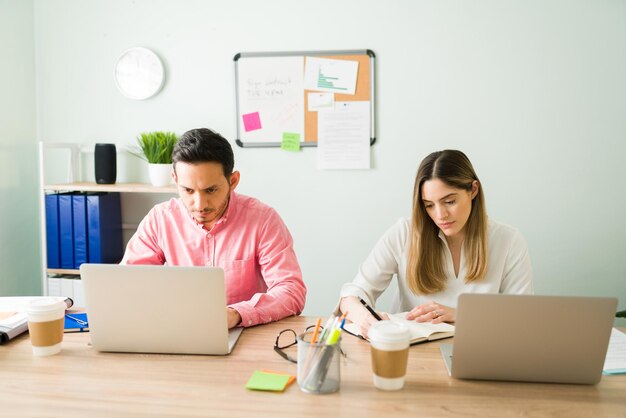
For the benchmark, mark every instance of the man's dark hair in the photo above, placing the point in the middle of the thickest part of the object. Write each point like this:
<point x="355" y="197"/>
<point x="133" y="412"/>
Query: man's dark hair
<point x="203" y="145"/>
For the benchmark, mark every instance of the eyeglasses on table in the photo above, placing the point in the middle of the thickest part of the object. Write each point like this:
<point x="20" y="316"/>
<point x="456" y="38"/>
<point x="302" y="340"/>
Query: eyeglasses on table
<point x="288" y="338"/>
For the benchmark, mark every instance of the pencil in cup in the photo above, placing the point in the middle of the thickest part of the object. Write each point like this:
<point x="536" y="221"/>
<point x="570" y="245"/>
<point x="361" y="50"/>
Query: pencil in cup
<point x="314" y="339"/>
<point x="321" y="373"/>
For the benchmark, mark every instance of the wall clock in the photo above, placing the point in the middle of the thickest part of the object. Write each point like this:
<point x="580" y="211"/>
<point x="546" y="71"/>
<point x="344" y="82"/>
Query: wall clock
<point x="139" y="73"/>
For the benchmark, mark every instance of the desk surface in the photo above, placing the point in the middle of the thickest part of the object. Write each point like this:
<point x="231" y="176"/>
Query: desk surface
<point x="83" y="382"/>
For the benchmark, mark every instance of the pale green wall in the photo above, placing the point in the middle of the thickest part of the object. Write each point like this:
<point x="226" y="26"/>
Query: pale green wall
<point x="533" y="91"/>
<point x="19" y="214"/>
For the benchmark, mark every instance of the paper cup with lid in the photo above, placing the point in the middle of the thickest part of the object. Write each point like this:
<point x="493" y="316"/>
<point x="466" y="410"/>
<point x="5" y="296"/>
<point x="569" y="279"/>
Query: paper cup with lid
<point x="389" y="343"/>
<point x="45" y="324"/>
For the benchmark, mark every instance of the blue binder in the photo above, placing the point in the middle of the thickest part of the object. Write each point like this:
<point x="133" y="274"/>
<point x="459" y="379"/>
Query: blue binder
<point x="53" y="245"/>
<point x="66" y="230"/>
<point x="79" y="216"/>
<point x="104" y="228"/>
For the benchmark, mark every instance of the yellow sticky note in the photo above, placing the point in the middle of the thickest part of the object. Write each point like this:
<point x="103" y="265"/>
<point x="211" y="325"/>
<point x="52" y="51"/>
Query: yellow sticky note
<point x="267" y="381"/>
<point x="291" y="141"/>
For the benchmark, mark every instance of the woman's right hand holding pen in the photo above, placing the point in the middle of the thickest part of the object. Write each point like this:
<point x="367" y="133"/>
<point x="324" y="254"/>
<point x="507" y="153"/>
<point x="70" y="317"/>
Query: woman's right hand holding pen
<point x="359" y="314"/>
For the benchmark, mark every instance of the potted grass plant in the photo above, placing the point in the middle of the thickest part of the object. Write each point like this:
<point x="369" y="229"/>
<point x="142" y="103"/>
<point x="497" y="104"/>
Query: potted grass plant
<point x="156" y="149"/>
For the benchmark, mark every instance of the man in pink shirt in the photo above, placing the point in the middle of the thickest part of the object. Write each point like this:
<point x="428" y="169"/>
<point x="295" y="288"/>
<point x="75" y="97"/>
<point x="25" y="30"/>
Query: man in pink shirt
<point x="211" y="225"/>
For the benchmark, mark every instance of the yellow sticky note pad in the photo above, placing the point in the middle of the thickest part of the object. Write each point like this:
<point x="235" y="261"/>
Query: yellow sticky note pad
<point x="268" y="381"/>
<point x="291" y="141"/>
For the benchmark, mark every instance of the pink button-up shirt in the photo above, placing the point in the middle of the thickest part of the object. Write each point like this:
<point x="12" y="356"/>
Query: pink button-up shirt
<point x="250" y="242"/>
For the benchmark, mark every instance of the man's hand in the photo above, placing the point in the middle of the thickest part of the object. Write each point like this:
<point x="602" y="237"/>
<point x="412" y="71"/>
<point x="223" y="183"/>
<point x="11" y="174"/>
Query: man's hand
<point x="233" y="317"/>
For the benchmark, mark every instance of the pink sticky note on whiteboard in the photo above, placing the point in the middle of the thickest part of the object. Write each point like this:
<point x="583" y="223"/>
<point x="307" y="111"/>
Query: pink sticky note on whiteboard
<point x="251" y="121"/>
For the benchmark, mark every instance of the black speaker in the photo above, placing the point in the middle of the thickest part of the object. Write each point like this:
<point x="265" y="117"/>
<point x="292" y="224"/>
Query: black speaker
<point x="106" y="163"/>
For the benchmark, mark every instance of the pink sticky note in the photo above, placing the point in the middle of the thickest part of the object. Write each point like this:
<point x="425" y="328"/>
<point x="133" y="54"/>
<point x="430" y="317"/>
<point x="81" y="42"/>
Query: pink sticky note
<point x="251" y="121"/>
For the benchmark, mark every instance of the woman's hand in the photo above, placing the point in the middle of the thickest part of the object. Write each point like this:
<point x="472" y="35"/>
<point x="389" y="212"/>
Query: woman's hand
<point x="358" y="314"/>
<point x="432" y="312"/>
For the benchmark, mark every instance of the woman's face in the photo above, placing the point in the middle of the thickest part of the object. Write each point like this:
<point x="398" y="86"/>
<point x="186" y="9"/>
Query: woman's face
<point x="447" y="206"/>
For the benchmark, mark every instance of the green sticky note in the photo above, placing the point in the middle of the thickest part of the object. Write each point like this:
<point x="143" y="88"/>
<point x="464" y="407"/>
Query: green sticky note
<point x="291" y="141"/>
<point x="267" y="381"/>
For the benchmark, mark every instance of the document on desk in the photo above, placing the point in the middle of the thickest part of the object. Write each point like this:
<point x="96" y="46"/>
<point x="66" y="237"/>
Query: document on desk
<point x="615" y="362"/>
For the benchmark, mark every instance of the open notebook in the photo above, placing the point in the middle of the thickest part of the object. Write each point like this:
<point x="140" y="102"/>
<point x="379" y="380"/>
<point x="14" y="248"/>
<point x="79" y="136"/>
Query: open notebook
<point x="420" y="331"/>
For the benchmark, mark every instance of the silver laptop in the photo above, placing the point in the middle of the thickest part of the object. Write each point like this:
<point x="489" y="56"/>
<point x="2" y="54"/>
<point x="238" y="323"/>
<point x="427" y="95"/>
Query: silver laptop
<point x="559" y="339"/>
<point x="157" y="309"/>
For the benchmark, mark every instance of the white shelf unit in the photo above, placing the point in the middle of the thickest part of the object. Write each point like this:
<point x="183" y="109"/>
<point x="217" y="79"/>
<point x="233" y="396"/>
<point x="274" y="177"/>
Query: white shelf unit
<point x="74" y="184"/>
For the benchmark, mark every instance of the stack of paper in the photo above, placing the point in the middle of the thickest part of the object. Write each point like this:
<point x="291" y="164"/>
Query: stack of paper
<point x="615" y="362"/>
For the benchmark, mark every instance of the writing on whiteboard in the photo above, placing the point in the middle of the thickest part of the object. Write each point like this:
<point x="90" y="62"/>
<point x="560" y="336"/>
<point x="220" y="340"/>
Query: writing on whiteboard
<point x="265" y="89"/>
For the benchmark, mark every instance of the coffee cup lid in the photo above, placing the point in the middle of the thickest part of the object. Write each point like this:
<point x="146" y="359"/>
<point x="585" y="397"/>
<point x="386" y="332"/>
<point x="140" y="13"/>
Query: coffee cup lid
<point x="389" y="332"/>
<point x="46" y="305"/>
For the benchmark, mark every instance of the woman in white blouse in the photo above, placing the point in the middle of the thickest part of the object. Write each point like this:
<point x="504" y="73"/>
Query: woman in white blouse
<point x="449" y="247"/>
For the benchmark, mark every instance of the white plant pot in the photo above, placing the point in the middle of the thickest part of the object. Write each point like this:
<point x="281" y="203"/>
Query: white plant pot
<point x="160" y="174"/>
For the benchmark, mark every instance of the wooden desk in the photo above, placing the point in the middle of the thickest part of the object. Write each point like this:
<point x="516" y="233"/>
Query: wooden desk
<point x="83" y="382"/>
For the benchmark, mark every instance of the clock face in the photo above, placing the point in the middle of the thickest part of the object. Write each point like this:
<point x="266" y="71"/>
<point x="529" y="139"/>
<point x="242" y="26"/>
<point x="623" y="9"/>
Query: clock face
<point x="139" y="73"/>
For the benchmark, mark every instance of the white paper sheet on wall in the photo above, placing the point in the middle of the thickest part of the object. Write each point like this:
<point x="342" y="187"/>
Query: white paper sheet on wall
<point x="344" y="137"/>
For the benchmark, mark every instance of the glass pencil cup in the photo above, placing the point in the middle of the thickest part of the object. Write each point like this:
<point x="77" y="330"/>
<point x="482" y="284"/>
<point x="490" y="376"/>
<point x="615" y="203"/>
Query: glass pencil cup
<point x="318" y="365"/>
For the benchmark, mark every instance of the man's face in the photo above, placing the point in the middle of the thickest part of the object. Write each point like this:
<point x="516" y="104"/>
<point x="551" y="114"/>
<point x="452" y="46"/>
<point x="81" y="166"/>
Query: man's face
<point x="204" y="190"/>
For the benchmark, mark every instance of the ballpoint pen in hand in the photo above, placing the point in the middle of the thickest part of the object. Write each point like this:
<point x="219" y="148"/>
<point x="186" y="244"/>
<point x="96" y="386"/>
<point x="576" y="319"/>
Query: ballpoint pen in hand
<point x="369" y="308"/>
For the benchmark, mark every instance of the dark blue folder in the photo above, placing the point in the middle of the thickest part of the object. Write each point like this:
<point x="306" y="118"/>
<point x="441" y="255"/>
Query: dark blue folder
<point x="66" y="230"/>
<point x="53" y="245"/>
<point x="104" y="228"/>
<point x="79" y="203"/>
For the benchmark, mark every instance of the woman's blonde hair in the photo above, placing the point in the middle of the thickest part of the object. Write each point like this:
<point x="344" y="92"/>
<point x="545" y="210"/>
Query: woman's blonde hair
<point x="426" y="272"/>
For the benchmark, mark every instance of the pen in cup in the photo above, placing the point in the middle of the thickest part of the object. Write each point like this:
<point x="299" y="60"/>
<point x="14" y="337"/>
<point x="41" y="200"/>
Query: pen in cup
<point x="328" y="327"/>
<point x="324" y="358"/>
<point x="316" y="331"/>
<point x="369" y="308"/>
